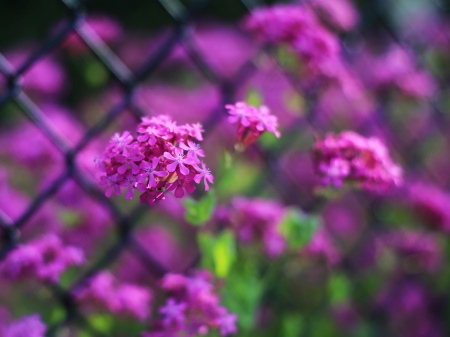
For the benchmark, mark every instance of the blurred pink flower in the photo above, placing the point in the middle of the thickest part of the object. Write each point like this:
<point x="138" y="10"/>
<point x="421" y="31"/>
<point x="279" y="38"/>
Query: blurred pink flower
<point x="44" y="79"/>
<point x="431" y="204"/>
<point x="341" y="14"/>
<point x="104" y="291"/>
<point x="107" y="29"/>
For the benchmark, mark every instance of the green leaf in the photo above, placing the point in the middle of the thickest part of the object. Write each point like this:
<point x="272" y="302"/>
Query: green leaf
<point x="338" y="289"/>
<point x="228" y="160"/>
<point x="206" y="243"/>
<point x="243" y="292"/>
<point x="298" y="228"/>
<point x="224" y="253"/>
<point x="292" y="325"/>
<point x="102" y="322"/>
<point x="70" y="218"/>
<point x="199" y="212"/>
<point x="254" y="98"/>
<point x="95" y="74"/>
<point x="218" y="253"/>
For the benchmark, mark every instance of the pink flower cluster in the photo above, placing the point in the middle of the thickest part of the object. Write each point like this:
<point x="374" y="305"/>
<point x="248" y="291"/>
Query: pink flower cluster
<point x="297" y="27"/>
<point x="323" y="248"/>
<point x="193" y="308"/>
<point x="29" y="326"/>
<point x="431" y="204"/>
<point x="257" y="220"/>
<point x="107" y="29"/>
<point x="350" y="157"/>
<point x="420" y="250"/>
<point x="251" y="122"/>
<point x="163" y="157"/>
<point x="104" y="291"/>
<point x="340" y="14"/>
<point x="45" y="258"/>
<point x="397" y="67"/>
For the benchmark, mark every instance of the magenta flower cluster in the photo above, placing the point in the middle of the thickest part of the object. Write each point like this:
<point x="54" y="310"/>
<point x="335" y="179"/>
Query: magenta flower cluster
<point x="29" y="326"/>
<point x="192" y="308"/>
<point x="419" y="250"/>
<point x="104" y="291"/>
<point x="351" y="158"/>
<point x="251" y="122"/>
<point x="297" y="27"/>
<point x="257" y="220"/>
<point x="431" y="204"/>
<point x="322" y="248"/>
<point x="45" y="258"/>
<point x="163" y="157"/>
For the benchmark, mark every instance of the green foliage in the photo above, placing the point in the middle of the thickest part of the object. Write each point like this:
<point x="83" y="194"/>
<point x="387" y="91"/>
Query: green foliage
<point x="199" y="212"/>
<point x="102" y="322"/>
<point x="243" y="292"/>
<point x="254" y="98"/>
<point x="292" y="325"/>
<point x="218" y="252"/>
<point x="95" y="73"/>
<point x="298" y="228"/>
<point x="339" y="288"/>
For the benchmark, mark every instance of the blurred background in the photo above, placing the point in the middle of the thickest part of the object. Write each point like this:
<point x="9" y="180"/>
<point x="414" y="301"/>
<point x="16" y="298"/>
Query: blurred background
<point x="73" y="73"/>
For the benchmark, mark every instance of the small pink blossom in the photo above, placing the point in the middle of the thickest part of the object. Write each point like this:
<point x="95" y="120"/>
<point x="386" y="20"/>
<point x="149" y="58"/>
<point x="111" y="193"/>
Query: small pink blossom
<point x="181" y="185"/>
<point x="129" y="159"/>
<point x="173" y="313"/>
<point x="193" y="151"/>
<point x="112" y="182"/>
<point x="251" y="122"/>
<point x="150" y="172"/>
<point x="204" y="173"/>
<point x="178" y="161"/>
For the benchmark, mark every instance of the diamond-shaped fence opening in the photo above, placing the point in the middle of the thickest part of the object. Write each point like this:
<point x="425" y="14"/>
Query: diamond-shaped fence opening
<point x="121" y="84"/>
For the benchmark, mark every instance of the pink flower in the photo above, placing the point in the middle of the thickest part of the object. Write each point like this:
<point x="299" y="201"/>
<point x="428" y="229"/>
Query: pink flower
<point x="45" y="258"/>
<point x="240" y="113"/>
<point x="150" y="172"/>
<point x="257" y="220"/>
<point x="173" y="313"/>
<point x="265" y="121"/>
<point x="340" y="13"/>
<point x="193" y="308"/>
<point x="349" y="157"/>
<point x="112" y="182"/>
<point x="104" y="291"/>
<point x="149" y="134"/>
<point x="178" y="160"/>
<point x="227" y="324"/>
<point x="279" y="23"/>
<point x="181" y="185"/>
<point x="252" y="122"/>
<point x="129" y="158"/>
<point x="193" y="151"/>
<point x="152" y="162"/>
<point x="131" y="182"/>
<point x="29" y="326"/>
<point x="120" y="142"/>
<point x="106" y="28"/>
<point x="204" y="173"/>
<point x="322" y="247"/>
